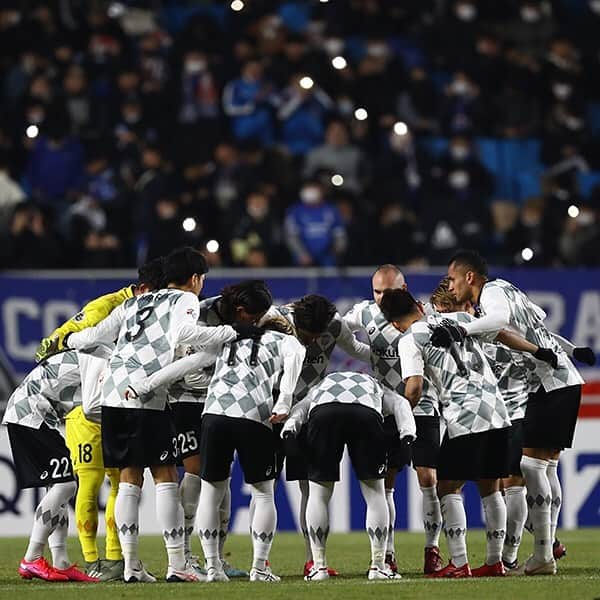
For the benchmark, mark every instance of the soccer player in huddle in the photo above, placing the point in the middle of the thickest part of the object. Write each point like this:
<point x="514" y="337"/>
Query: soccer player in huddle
<point x="319" y="327"/>
<point x="383" y="339"/>
<point x="83" y="432"/>
<point x="551" y="413"/>
<point x="244" y="302"/>
<point x="140" y="432"/>
<point x="346" y="409"/>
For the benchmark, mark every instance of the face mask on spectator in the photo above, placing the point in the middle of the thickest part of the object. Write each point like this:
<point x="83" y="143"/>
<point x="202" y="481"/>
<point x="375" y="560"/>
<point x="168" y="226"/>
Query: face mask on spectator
<point x="377" y="50"/>
<point x="561" y="90"/>
<point x="458" y="180"/>
<point x="585" y="218"/>
<point x="345" y="106"/>
<point x="460" y="87"/>
<point x="529" y="14"/>
<point x="310" y="196"/>
<point x="466" y="12"/>
<point x="595" y="6"/>
<point x="573" y="123"/>
<point x="333" y="46"/>
<point x="459" y="152"/>
<point x="195" y="66"/>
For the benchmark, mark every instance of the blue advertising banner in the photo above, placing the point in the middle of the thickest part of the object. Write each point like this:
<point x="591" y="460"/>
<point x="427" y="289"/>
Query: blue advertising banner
<point x="33" y="304"/>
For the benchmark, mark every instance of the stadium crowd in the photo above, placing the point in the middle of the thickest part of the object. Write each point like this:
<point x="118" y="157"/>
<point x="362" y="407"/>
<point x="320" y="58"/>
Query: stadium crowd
<point x="307" y="133"/>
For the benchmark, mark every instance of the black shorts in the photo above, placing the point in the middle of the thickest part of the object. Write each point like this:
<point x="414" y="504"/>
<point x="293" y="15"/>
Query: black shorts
<point x="41" y="456"/>
<point x="138" y="437"/>
<point x="426" y="448"/>
<point x="335" y="425"/>
<point x="398" y="453"/>
<point x="254" y="442"/>
<point x="474" y="456"/>
<point x="515" y="447"/>
<point x="188" y="419"/>
<point x="550" y="418"/>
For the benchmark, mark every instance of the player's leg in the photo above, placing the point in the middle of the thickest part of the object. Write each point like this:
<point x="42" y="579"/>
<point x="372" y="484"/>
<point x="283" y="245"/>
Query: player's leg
<point x="558" y="549"/>
<point x="390" y="550"/>
<point x="112" y="567"/>
<point x="364" y="435"/>
<point x="84" y="440"/>
<point x="216" y="448"/>
<point x="425" y="452"/>
<point x="317" y="517"/>
<point x="514" y="497"/>
<point x="264" y="523"/>
<point x="494" y="510"/>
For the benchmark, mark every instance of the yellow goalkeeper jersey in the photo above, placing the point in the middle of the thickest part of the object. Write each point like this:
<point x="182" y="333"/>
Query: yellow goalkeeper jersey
<point x="93" y="312"/>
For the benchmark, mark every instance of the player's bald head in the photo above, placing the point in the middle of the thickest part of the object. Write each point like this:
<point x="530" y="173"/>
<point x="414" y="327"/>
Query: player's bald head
<point x="387" y="277"/>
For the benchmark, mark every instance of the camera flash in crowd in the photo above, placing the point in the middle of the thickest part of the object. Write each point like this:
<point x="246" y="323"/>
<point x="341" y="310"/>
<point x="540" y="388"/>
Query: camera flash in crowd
<point x="527" y="254"/>
<point x="237" y="5"/>
<point x="337" y="180"/>
<point x="32" y="131"/>
<point x="306" y="83"/>
<point x="339" y="62"/>
<point x="360" y="114"/>
<point x="573" y="211"/>
<point x="400" y="128"/>
<point x="189" y="224"/>
<point x="115" y="10"/>
<point x="212" y="246"/>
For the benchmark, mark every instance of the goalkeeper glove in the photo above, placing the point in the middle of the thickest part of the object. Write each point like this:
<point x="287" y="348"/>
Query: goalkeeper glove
<point x="48" y="347"/>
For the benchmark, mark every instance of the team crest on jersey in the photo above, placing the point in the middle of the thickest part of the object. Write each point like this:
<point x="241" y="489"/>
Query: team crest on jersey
<point x="79" y="316"/>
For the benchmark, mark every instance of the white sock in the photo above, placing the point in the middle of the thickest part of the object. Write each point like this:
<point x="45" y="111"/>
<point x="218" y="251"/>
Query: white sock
<point x="516" y="513"/>
<point x="556" y="491"/>
<point x="127" y="517"/>
<point x="455" y="527"/>
<point x="224" y="516"/>
<point x="389" y="498"/>
<point x="432" y="516"/>
<point x="189" y="490"/>
<point x="494" y="510"/>
<point x="264" y="522"/>
<point x="539" y="499"/>
<point x="377" y="521"/>
<point x="303" y="485"/>
<point x="169" y="515"/>
<point x="58" y="540"/>
<point x="47" y="517"/>
<point x="207" y="520"/>
<point x="317" y="519"/>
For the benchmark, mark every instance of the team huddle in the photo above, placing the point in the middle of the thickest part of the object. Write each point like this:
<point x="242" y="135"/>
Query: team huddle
<point x="152" y="377"/>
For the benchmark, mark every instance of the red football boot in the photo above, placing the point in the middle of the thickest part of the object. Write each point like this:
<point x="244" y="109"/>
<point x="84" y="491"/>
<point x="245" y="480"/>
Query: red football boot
<point x="40" y="569"/>
<point x="433" y="560"/>
<point x="452" y="572"/>
<point x="496" y="570"/>
<point x="72" y="573"/>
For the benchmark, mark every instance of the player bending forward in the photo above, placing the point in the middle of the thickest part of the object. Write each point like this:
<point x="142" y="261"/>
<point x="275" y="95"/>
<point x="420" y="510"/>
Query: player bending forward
<point x="347" y="409"/>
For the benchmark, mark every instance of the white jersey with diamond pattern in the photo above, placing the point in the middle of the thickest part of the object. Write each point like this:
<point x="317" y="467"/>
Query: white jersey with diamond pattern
<point x="527" y="319"/>
<point x="347" y="387"/>
<point x="383" y="339"/>
<point x="145" y="344"/>
<point x="469" y="404"/>
<point x="50" y="391"/>
<point x="245" y="391"/>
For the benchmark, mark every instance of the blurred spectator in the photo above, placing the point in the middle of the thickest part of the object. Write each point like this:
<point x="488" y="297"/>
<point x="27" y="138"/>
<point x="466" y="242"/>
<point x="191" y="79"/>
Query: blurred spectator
<point x="359" y="251"/>
<point x="338" y="156"/>
<point x="461" y="110"/>
<point x="315" y="233"/>
<point x="11" y="194"/>
<point x="55" y="168"/>
<point x="515" y="113"/>
<point x="302" y="114"/>
<point x="258" y="229"/>
<point x="532" y="28"/>
<point x="166" y="228"/>
<point x="247" y="101"/>
<point x="30" y="244"/>
<point x="396" y="223"/>
<point x="580" y="241"/>
<point x="418" y="105"/>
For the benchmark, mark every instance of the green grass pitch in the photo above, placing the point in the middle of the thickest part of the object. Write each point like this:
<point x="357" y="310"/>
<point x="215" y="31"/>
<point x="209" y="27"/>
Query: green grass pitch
<point x="578" y="575"/>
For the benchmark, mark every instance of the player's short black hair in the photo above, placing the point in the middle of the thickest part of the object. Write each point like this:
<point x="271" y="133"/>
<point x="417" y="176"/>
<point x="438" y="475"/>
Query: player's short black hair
<point x="313" y="313"/>
<point x="153" y="273"/>
<point x="253" y="295"/>
<point x="182" y="263"/>
<point x="397" y="304"/>
<point x="472" y="260"/>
